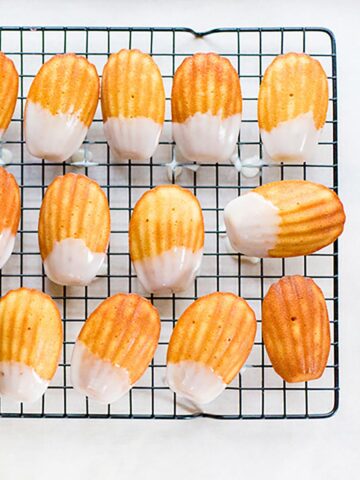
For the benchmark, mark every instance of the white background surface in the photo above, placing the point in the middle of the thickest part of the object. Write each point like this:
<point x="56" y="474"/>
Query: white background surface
<point x="325" y="449"/>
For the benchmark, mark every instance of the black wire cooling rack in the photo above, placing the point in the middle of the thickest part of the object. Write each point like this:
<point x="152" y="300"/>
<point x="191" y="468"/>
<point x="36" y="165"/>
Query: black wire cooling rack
<point x="258" y="392"/>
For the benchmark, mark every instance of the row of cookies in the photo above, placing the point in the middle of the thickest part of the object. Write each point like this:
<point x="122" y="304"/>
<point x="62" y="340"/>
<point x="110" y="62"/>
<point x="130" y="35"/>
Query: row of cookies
<point x="208" y="346"/>
<point x="166" y="231"/>
<point x="206" y="106"/>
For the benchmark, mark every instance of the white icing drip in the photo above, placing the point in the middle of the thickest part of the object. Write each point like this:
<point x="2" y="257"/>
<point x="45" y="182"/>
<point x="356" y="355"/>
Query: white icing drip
<point x="234" y="253"/>
<point x="5" y="156"/>
<point x="83" y="158"/>
<point x="132" y="138"/>
<point x="53" y="137"/>
<point x="252" y="224"/>
<point x="250" y="167"/>
<point x="98" y="379"/>
<point x="172" y="271"/>
<point x="173" y="170"/>
<point x="252" y="260"/>
<point x="7" y="242"/>
<point x="293" y="140"/>
<point x="20" y="382"/>
<point x="71" y="262"/>
<point x="194" y="381"/>
<point x="206" y="138"/>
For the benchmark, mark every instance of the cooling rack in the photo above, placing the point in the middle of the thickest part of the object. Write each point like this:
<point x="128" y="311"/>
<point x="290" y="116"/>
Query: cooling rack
<point x="257" y="393"/>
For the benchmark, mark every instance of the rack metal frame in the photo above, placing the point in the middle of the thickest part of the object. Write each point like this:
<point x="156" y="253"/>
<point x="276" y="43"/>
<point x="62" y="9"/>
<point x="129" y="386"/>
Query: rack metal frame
<point x="21" y="164"/>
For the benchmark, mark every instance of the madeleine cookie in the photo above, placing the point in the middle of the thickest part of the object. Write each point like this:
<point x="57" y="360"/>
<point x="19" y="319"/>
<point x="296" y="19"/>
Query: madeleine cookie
<point x="296" y="329"/>
<point x="166" y="237"/>
<point x="288" y="218"/>
<point x="60" y="107"/>
<point x="292" y="106"/>
<point x="133" y="104"/>
<point x="206" y="105"/>
<point x="9" y="85"/>
<point x="10" y="208"/>
<point x="114" y="347"/>
<point x="30" y="343"/>
<point x="74" y="229"/>
<point x="209" y="345"/>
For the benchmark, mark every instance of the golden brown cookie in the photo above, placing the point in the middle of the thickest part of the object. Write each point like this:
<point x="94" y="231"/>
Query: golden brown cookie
<point x="9" y="85"/>
<point x="60" y="106"/>
<point x="166" y="238"/>
<point x="206" y="105"/>
<point x="209" y="345"/>
<point x="74" y="229"/>
<point x="115" y="346"/>
<point x="296" y="329"/>
<point x="10" y="209"/>
<point x="288" y="218"/>
<point x="133" y="104"/>
<point x="292" y="106"/>
<point x="30" y="343"/>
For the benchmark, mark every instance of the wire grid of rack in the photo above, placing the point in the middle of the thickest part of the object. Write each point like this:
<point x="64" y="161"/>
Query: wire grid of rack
<point x="257" y="392"/>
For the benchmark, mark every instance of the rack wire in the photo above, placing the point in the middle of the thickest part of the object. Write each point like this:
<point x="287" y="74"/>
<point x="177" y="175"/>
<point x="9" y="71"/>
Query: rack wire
<point x="257" y="393"/>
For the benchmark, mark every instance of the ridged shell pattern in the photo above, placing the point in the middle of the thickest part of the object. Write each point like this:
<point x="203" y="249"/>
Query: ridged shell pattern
<point x="296" y="328"/>
<point x="293" y="84"/>
<point x="68" y="84"/>
<point x="74" y="206"/>
<point x="132" y="87"/>
<point x="205" y="83"/>
<point x="9" y="202"/>
<point x="9" y="84"/>
<point x="217" y="331"/>
<point x="124" y="330"/>
<point x="311" y="216"/>
<point x="30" y="331"/>
<point x="165" y="217"/>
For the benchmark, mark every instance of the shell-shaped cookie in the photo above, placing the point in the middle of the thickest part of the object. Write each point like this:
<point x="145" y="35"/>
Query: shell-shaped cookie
<point x="74" y="229"/>
<point x="166" y="237"/>
<point x="288" y="218"/>
<point x="30" y="343"/>
<point x="10" y="208"/>
<point x="206" y="105"/>
<point x="114" y="347"/>
<point x="60" y="107"/>
<point x="209" y="345"/>
<point x="133" y="104"/>
<point x="9" y="84"/>
<point x="296" y="329"/>
<point x="292" y="106"/>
